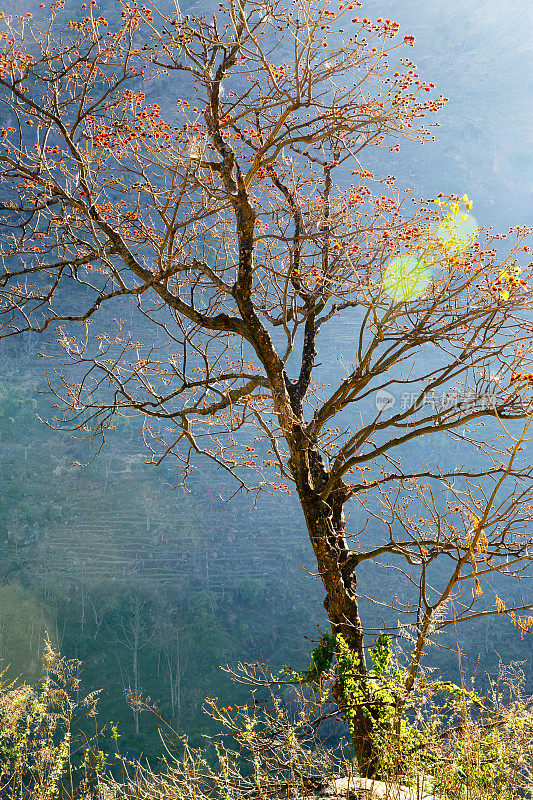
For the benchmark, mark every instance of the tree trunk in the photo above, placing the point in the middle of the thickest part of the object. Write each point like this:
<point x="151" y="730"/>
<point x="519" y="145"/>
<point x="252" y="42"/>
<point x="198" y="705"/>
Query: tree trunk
<point x="136" y="689"/>
<point x="178" y="674"/>
<point x="135" y="664"/>
<point x="326" y="527"/>
<point x="174" y="677"/>
<point x="171" y="686"/>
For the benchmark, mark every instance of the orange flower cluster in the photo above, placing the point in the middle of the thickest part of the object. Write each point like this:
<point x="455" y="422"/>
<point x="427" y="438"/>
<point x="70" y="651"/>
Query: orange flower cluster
<point x="278" y="73"/>
<point x="506" y="281"/>
<point x="134" y="98"/>
<point x="509" y="280"/>
<point x="389" y="27"/>
<point x="18" y="62"/>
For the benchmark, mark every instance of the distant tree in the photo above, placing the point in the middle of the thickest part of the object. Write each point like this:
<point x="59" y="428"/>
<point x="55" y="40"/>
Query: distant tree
<point x="133" y="628"/>
<point x="176" y="649"/>
<point x="225" y="230"/>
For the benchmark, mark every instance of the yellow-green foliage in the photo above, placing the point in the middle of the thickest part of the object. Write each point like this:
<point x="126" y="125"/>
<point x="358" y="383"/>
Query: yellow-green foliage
<point x="35" y="730"/>
<point x="465" y="746"/>
<point x="460" y="745"/>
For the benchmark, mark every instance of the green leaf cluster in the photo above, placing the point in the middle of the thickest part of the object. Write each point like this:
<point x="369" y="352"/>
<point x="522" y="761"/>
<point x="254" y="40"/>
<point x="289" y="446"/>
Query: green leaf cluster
<point x="374" y="695"/>
<point x="321" y="660"/>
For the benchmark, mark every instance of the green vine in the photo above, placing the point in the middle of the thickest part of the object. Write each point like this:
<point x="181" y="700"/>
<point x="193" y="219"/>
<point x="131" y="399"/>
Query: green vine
<point x="388" y="681"/>
<point x="348" y="670"/>
<point x="374" y="695"/>
<point x="321" y="661"/>
<point x="375" y="705"/>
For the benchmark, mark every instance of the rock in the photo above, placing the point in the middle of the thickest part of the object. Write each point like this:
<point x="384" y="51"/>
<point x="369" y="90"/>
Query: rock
<point x="355" y="788"/>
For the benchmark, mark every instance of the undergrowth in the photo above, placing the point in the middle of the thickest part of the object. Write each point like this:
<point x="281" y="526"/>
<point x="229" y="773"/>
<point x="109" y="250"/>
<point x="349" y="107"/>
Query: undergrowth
<point x="455" y="744"/>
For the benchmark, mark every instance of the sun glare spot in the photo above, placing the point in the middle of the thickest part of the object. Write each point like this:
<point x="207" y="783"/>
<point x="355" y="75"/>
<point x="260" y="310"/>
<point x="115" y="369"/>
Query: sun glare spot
<point x="406" y="278"/>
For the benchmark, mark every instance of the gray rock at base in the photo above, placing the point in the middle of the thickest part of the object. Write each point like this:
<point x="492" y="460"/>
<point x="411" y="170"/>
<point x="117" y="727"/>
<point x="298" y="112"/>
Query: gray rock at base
<point x="355" y="788"/>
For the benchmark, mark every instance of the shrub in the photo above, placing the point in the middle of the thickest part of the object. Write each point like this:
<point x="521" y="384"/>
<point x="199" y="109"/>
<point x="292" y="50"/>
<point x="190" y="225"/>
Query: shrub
<point x="454" y="745"/>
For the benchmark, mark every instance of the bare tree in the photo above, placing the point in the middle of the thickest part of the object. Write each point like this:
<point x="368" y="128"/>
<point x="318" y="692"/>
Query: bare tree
<point x="134" y="631"/>
<point x="176" y="649"/>
<point x="229" y="229"/>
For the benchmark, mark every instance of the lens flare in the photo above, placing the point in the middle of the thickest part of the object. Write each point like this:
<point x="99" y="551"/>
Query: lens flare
<point x="457" y="231"/>
<point x="406" y="278"/>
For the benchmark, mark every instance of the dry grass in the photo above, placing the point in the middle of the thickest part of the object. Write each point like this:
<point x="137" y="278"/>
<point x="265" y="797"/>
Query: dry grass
<point x="460" y="747"/>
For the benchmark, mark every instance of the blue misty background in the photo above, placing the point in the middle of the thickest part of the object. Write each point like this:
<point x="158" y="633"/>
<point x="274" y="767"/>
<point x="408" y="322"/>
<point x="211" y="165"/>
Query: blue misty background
<point x="154" y="586"/>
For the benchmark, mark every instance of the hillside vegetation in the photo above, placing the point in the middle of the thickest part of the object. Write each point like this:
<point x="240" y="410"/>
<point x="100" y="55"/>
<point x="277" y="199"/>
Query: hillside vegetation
<point x="464" y="747"/>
